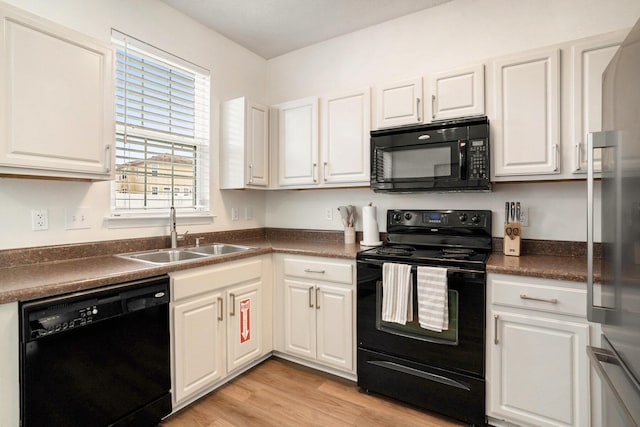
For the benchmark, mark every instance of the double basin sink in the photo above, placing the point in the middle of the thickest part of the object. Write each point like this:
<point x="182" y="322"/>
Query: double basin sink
<point x="170" y="256"/>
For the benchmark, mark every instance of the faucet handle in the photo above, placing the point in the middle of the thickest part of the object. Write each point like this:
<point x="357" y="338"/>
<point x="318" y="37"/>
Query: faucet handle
<point x="198" y="241"/>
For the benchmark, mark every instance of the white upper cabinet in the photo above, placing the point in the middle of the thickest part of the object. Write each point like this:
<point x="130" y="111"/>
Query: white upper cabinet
<point x="590" y="58"/>
<point x="399" y="103"/>
<point x="244" y="152"/>
<point x="346" y="122"/>
<point x="340" y="158"/>
<point x="457" y="93"/>
<point x="298" y="142"/>
<point x="526" y="125"/>
<point x="56" y="100"/>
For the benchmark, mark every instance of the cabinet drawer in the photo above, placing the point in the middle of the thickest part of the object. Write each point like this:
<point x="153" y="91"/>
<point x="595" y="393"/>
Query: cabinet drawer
<point x="542" y="296"/>
<point x="192" y="282"/>
<point x="319" y="270"/>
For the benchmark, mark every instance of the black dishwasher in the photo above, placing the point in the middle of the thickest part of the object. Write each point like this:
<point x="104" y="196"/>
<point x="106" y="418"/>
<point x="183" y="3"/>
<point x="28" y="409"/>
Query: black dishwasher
<point x="97" y="358"/>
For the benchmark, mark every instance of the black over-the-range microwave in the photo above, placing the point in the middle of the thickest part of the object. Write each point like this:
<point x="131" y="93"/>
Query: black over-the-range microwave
<point x="442" y="156"/>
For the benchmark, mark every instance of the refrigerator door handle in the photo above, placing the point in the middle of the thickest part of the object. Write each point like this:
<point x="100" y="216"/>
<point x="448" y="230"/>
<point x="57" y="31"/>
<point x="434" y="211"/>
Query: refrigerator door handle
<point x="595" y="140"/>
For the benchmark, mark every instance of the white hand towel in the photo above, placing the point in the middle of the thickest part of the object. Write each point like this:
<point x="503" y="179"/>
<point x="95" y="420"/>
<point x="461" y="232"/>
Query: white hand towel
<point x="397" y="293"/>
<point x="433" y="298"/>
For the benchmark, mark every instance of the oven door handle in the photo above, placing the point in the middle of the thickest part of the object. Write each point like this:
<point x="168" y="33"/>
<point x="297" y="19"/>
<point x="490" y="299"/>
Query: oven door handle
<point x="414" y="267"/>
<point x="417" y="373"/>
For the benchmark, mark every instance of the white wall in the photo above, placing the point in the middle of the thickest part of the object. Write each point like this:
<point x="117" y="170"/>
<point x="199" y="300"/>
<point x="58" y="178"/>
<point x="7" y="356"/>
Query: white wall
<point x="458" y="33"/>
<point x="234" y="72"/>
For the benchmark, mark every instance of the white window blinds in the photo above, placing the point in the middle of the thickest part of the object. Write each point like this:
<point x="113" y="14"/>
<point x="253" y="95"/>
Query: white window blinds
<point x="162" y="131"/>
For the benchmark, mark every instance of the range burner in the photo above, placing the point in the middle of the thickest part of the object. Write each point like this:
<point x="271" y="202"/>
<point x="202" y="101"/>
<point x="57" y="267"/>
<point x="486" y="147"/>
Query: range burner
<point x="396" y="250"/>
<point x="459" y="253"/>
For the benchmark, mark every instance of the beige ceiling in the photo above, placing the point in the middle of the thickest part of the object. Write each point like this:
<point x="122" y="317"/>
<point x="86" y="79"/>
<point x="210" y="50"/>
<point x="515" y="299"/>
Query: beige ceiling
<point x="273" y="27"/>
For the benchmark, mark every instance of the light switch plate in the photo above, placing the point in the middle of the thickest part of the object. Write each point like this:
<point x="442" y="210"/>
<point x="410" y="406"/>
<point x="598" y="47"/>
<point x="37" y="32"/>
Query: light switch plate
<point x="77" y="218"/>
<point x="235" y="215"/>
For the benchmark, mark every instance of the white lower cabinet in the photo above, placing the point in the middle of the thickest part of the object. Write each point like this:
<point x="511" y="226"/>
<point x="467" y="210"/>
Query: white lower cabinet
<point x="198" y="342"/>
<point x="538" y="369"/>
<point x="9" y="365"/>
<point x="316" y="318"/>
<point x="221" y="323"/>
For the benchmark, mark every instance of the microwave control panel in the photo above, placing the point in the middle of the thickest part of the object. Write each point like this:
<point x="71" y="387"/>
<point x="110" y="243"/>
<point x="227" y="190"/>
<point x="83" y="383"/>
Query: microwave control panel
<point x="478" y="159"/>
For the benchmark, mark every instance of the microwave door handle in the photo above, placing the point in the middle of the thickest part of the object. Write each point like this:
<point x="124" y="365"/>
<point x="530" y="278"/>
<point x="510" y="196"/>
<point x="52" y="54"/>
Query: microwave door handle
<point x="462" y="145"/>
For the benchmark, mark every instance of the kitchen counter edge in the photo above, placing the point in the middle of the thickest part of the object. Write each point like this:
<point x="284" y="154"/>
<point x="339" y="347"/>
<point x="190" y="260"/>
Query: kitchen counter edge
<point x="27" y="282"/>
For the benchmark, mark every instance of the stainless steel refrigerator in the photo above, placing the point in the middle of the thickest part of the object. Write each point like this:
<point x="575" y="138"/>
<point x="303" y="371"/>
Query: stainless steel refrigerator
<point x="614" y="298"/>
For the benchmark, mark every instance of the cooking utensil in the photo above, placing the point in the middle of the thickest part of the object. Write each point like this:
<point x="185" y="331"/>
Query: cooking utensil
<point x="344" y="214"/>
<point x="518" y="212"/>
<point x="513" y="211"/>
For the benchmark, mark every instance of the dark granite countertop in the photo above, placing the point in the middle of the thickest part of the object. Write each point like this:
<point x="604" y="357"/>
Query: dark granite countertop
<point x="30" y="281"/>
<point x="40" y="272"/>
<point x="572" y="268"/>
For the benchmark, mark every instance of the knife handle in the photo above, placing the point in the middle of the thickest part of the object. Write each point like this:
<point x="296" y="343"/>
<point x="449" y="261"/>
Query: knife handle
<point x="506" y="212"/>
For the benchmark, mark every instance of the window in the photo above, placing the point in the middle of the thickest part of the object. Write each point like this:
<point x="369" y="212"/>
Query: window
<point x="162" y="130"/>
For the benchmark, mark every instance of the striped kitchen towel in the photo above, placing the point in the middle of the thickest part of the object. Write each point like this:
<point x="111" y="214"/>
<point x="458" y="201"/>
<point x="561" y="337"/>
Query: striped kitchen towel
<point x="433" y="298"/>
<point x="397" y="293"/>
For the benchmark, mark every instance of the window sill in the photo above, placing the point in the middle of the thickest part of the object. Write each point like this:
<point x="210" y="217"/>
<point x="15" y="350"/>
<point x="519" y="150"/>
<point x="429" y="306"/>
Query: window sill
<point x="135" y="221"/>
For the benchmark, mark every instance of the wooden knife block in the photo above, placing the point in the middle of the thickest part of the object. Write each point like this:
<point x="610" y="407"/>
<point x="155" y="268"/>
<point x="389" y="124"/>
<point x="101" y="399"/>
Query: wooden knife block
<point x="512" y="242"/>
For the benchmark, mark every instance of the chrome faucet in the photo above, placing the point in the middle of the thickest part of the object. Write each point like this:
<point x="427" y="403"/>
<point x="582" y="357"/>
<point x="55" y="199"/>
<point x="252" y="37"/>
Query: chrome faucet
<point x="172" y="228"/>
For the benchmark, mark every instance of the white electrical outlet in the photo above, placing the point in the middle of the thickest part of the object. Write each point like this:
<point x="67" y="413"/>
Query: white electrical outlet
<point x="524" y="216"/>
<point x="77" y="218"/>
<point x="248" y="213"/>
<point x="328" y="214"/>
<point x="39" y="220"/>
<point x="235" y="214"/>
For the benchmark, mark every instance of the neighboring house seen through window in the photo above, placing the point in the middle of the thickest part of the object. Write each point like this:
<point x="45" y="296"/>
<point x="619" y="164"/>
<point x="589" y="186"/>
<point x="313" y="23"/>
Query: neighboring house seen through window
<point x="162" y="131"/>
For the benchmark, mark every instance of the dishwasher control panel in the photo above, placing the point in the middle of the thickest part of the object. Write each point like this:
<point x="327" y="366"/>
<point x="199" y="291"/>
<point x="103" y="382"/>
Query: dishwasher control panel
<point x="54" y="315"/>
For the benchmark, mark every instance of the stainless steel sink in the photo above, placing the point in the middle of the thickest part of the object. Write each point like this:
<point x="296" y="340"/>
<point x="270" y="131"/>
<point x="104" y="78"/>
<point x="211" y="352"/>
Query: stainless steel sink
<point x="164" y="256"/>
<point x="169" y="256"/>
<point x="218" y="249"/>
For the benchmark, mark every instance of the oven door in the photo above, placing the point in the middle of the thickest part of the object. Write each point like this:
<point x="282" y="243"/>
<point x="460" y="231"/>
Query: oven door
<point x="460" y="348"/>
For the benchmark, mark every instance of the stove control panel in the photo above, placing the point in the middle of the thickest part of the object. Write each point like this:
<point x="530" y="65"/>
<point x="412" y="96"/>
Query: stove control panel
<point x="438" y="218"/>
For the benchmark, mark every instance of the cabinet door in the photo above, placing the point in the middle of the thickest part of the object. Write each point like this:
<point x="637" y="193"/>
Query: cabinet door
<point x="590" y="59"/>
<point x="298" y="143"/>
<point x="526" y="128"/>
<point x="334" y="326"/>
<point x="399" y="103"/>
<point x="244" y="325"/>
<point x="257" y="144"/>
<point x="299" y="318"/>
<point x="198" y="344"/>
<point x="457" y="93"/>
<point x="56" y="92"/>
<point x="539" y="371"/>
<point x="346" y="122"/>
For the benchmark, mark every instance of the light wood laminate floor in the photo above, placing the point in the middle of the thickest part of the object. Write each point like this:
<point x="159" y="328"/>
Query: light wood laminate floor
<point x="281" y="393"/>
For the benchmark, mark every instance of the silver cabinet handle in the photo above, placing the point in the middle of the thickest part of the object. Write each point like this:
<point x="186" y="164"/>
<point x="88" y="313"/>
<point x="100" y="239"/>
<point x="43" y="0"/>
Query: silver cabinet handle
<point x="578" y="156"/>
<point x="317" y="300"/>
<point x="107" y="154"/>
<point x="418" y="109"/>
<point x="324" y="171"/>
<point x="555" y="157"/>
<point x="233" y="305"/>
<point x="433" y="107"/>
<point x="220" y="308"/>
<point x="496" y="341"/>
<point x="250" y="173"/>
<point x="313" y="172"/>
<point x="550" y="301"/>
<point x="310" y="296"/>
<point x="308" y="270"/>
